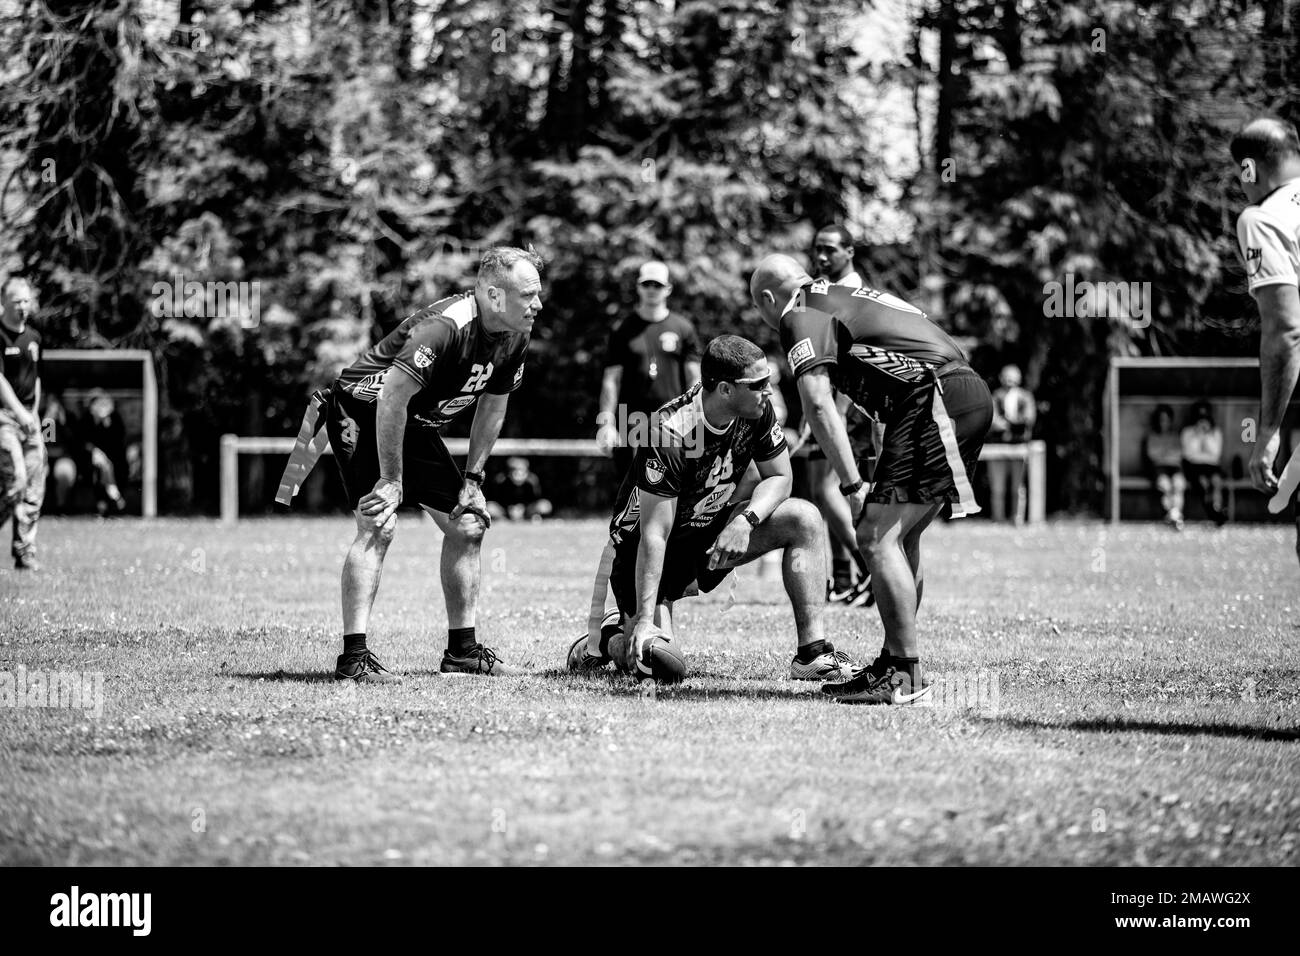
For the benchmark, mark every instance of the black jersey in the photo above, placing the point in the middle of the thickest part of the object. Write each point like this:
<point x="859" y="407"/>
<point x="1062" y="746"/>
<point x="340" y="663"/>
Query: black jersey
<point x="22" y="361"/>
<point x="653" y="356"/>
<point x="445" y="348"/>
<point x="878" y="346"/>
<point x="691" y="461"/>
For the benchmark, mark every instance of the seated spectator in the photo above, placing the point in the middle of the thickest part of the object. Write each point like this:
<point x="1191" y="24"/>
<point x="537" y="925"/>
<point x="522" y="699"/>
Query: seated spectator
<point x="104" y="435"/>
<point x="1163" y="449"/>
<point x="1202" y="447"/>
<point x="61" y="446"/>
<point x="517" y="494"/>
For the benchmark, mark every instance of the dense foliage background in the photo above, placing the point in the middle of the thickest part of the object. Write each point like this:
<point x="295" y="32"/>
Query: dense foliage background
<point x="353" y="156"/>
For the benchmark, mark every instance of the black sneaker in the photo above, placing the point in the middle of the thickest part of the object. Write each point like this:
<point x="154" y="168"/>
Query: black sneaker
<point x="478" y="660"/>
<point x="892" y="687"/>
<point x="364" y="668"/>
<point x="837" y="591"/>
<point x="861" y="595"/>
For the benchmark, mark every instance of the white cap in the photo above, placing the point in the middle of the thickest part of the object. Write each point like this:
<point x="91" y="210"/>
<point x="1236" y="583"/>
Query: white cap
<point x="654" y="271"/>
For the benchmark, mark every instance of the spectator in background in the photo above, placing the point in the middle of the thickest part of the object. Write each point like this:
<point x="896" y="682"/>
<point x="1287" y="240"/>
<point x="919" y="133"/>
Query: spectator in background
<point x="1014" y="414"/>
<point x="104" y="435"/>
<point x="1163" y="449"/>
<point x="653" y="356"/>
<point x="22" y="446"/>
<point x="61" y="448"/>
<point x="1202" y="443"/>
<point x="517" y="493"/>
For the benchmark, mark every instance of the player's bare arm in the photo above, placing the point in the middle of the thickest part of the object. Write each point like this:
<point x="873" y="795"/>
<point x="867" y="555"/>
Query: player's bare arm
<point x="607" y="420"/>
<point x="1279" y="370"/>
<point x="657" y="515"/>
<point x="828" y="427"/>
<point x="9" y="399"/>
<point x="489" y="415"/>
<point x="390" y="432"/>
<point x="776" y="481"/>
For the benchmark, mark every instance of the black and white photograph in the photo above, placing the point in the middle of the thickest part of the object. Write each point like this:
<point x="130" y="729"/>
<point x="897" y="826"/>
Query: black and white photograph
<point x="638" y="433"/>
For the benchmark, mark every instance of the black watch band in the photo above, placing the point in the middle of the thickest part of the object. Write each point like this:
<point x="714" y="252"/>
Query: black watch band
<point x="474" y="476"/>
<point x="752" y="518"/>
<point x="848" y="490"/>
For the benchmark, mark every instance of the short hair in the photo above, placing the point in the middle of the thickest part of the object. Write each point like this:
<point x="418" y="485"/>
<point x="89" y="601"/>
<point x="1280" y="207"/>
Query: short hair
<point x="726" y="358"/>
<point x="846" y="237"/>
<point x="4" y="286"/>
<point x="1266" y="140"/>
<point x="1161" y="410"/>
<point x="495" y="266"/>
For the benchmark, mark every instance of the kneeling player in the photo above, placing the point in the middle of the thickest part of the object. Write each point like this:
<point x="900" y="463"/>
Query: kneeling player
<point x="677" y="531"/>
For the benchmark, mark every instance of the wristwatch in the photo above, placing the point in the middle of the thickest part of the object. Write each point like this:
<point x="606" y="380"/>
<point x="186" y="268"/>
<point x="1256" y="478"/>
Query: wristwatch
<point x="474" y="476"/>
<point x="849" y="490"/>
<point x="752" y="518"/>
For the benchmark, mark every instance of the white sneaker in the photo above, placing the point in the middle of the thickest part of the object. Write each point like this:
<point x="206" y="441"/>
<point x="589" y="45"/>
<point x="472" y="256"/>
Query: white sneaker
<point x="831" y="666"/>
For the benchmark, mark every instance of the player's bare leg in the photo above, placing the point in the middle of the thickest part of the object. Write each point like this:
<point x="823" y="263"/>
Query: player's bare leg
<point x="880" y="536"/>
<point x="362" y="569"/>
<point x="461" y="565"/>
<point x="912" y="548"/>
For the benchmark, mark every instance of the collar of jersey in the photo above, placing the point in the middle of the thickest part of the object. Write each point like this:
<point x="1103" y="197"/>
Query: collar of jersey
<point x="1278" y="188"/>
<point x="699" y="406"/>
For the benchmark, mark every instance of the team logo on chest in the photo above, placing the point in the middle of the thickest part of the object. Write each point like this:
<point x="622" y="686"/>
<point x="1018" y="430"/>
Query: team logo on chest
<point x="423" y="357"/>
<point x="669" y="341"/>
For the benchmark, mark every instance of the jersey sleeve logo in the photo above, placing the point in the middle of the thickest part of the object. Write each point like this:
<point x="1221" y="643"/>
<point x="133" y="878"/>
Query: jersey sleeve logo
<point x="802" y="352"/>
<point x="423" y="357"/>
<point x="519" y="375"/>
<point x="654" y="471"/>
<point x="1254" y="260"/>
<point x="777" y="435"/>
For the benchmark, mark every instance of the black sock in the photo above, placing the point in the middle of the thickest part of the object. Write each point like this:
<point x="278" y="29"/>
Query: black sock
<point x="810" y="651"/>
<point x="861" y="563"/>
<point x="354" y="644"/>
<point x="911" y="666"/>
<point x="460" y="640"/>
<point x="841" y="572"/>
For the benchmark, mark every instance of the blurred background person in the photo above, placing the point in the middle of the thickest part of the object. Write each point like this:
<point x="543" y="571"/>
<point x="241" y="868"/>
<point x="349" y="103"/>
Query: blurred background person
<point x="1014" y="414"/>
<point x="653" y="356"/>
<point x="1163" y="449"/>
<point x="516" y="493"/>
<point x="61" y="448"/>
<point x="104" y="438"/>
<point x="1202" y="443"/>
<point x="22" y="446"/>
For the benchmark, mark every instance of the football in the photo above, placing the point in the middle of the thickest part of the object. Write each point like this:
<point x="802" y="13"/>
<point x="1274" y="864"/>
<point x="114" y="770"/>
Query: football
<point x="659" y="660"/>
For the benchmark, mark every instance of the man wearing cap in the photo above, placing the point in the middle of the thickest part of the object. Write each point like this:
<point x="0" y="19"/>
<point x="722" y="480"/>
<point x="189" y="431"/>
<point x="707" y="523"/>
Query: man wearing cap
<point x="653" y="356"/>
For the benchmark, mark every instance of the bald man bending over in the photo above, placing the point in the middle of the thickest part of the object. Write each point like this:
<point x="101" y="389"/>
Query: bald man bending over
<point x="1267" y="152"/>
<point x="915" y="380"/>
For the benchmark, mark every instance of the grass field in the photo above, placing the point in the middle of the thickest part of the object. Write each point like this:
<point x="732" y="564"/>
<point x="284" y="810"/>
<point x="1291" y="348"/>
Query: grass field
<point x="1138" y="703"/>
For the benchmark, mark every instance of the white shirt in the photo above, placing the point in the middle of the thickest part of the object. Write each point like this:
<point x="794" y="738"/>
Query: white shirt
<point x="1268" y="235"/>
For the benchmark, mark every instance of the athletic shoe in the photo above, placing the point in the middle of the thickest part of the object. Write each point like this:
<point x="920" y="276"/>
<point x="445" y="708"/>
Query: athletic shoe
<point x="478" y="660"/>
<point x="364" y="668"/>
<point x="893" y="687"/>
<point x="582" y="662"/>
<point x="25" y="562"/>
<point x="861" y="595"/>
<point x="831" y="666"/>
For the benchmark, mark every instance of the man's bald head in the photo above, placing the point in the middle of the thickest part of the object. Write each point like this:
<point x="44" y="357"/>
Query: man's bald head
<point x="1267" y="153"/>
<point x="774" y="283"/>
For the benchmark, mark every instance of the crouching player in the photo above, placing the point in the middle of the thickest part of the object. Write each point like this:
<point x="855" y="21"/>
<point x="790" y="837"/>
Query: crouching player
<point x="685" y="515"/>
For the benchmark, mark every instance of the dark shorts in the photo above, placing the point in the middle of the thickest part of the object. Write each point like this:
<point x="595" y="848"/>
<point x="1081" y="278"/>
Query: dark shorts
<point x="686" y="571"/>
<point x="913" y="466"/>
<point x="1198" y="473"/>
<point x="429" y="475"/>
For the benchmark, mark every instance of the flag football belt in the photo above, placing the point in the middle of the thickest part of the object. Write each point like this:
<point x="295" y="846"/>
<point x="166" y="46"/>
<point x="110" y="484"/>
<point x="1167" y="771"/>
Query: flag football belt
<point x="307" y="448"/>
<point x="966" y="504"/>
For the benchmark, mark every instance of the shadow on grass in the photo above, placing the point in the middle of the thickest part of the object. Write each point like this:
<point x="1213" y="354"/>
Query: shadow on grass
<point x="1114" y="725"/>
<point x="294" y="677"/>
<point x="620" y="686"/>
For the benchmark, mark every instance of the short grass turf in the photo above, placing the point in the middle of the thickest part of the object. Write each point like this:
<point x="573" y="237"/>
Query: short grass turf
<point x="1113" y="696"/>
